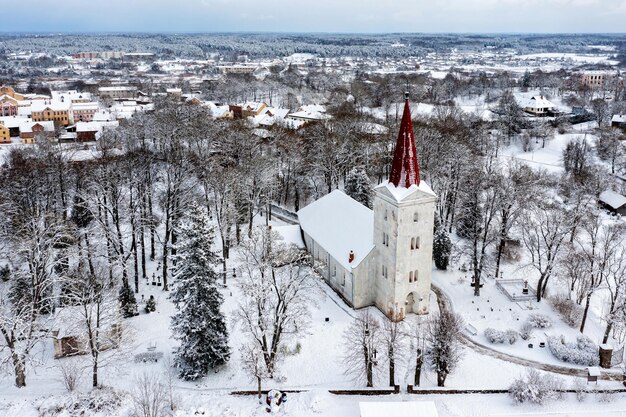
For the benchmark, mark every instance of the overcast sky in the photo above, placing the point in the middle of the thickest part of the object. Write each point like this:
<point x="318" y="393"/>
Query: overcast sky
<point x="314" y="15"/>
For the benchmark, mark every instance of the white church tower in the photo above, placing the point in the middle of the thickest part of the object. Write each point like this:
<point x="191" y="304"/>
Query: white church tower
<point x="404" y="209"/>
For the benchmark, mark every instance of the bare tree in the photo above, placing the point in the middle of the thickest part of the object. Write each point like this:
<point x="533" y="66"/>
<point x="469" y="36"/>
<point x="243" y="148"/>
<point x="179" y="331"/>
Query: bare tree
<point x="149" y="396"/>
<point x="26" y="299"/>
<point x="598" y="246"/>
<point x="393" y="336"/>
<point x="362" y="339"/>
<point x="616" y="279"/>
<point x="443" y="337"/>
<point x="545" y="225"/>
<point x="277" y="289"/>
<point x="94" y="317"/>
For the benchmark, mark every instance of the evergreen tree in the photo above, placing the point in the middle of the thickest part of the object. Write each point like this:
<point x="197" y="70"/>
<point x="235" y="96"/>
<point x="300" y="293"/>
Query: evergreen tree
<point x="198" y="324"/>
<point x="442" y="246"/>
<point x="128" y="302"/>
<point x="358" y="186"/>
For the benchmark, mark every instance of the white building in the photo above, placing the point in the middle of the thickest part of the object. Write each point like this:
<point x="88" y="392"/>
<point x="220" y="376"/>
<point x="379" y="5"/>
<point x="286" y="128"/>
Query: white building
<point x="380" y="257"/>
<point x="539" y="106"/>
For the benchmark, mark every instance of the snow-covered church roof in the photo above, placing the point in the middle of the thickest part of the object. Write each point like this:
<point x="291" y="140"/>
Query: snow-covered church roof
<point x="340" y="224"/>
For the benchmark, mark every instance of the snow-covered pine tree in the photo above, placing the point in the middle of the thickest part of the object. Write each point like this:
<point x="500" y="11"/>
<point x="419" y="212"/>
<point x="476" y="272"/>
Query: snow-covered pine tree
<point x="358" y="186"/>
<point x="127" y="300"/>
<point x="198" y="324"/>
<point x="442" y="246"/>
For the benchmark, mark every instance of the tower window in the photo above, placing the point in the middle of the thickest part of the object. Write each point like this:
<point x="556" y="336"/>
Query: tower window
<point x="415" y="243"/>
<point x="385" y="214"/>
<point x="415" y="217"/>
<point x="384" y="271"/>
<point x="410" y="276"/>
<point x="415" y="276"/>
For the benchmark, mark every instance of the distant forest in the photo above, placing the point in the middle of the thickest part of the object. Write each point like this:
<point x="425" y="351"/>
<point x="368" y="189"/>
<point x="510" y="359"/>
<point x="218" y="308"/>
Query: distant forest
<point x="324" y="45"/>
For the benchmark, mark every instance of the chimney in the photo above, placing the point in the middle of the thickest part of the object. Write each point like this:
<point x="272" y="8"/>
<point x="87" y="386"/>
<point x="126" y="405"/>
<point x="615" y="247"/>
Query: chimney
<point x="351" y="256"/>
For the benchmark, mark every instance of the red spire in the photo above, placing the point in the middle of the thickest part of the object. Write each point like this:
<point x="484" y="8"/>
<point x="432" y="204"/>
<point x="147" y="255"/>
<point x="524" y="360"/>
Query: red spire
<point x="404" y="169"/>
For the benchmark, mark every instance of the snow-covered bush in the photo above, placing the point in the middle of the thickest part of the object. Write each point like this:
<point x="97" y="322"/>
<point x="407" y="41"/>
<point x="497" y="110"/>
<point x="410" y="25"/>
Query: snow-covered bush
<point x="535" y="388"/>
<point x="526" y="331"/>
<point x="497" y="336"/>
<point x="70" y="371"/>
<point x="570" y="312"/>
<point x="583" y="352"/>
<point x="539" y="321"/>
<point x="580" y="388"/>
<point x="104" y="401"/>
<point x="605" y="397"/>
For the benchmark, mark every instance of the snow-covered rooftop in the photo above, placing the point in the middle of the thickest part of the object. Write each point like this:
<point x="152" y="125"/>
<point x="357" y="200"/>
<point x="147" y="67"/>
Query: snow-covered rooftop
<point x="340" y="224"/>
<point x="398" y="409"/>
<point x="619" y="118"/>
<point x="612" y="199"/>
<point x="400" y="193"/>
<point x="538" y="102"/>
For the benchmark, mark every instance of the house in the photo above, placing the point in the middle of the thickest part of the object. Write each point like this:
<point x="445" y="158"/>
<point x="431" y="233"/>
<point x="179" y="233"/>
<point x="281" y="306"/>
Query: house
<point x="9" y="91"/>
<point x="8" y="106"/>
<point x="612" y="201"/>
<point x="175" y="93"/>
<point x="5" y="134"/>
<point x="72" y="95"/>
<point x="380" y="257"/>
<point x="91" y="131"/>
<point x="58" y="111"/>
<point x="540" y="106"/>
<point x="237" y="69"/>
<point x="30" y="132"/>
<point x="618" y="121"/>
<point x="118" y="92"/>
<point x="398" y="409"/>
<point x="248" y="109"/>
<point x="269" y="116"/>
<point x="68" y="337"/>
<point x="13" y="124"/>
<point x="84" y="111"/>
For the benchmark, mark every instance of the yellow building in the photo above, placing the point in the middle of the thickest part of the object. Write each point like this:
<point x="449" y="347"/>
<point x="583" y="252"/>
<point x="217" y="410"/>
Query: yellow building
<point x="5" y="135"/>
<point x="51" y="111"/>
<point x="11" y="93"/>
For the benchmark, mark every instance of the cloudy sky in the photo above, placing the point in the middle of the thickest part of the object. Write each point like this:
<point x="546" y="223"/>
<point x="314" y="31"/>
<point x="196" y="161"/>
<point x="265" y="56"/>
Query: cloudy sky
<point x="314" y="15"/>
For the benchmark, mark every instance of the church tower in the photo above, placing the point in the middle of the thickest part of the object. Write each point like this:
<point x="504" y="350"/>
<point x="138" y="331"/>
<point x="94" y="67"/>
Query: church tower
<point x="404" y="209"/>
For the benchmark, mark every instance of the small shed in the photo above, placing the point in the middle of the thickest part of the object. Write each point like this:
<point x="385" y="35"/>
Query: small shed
<point x="593" y="373"/>
<point x="398" y="409"/>
<point x="612" y="201"/>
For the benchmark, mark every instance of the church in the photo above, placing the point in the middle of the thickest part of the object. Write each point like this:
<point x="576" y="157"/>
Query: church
<point x="380" y="257"/>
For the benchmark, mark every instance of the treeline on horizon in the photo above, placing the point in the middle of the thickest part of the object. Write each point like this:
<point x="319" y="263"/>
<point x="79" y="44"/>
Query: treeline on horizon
<point x="261" y="45"/>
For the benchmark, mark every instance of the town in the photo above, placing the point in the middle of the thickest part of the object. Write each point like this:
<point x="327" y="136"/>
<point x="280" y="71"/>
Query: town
<point x="312" y="224"/>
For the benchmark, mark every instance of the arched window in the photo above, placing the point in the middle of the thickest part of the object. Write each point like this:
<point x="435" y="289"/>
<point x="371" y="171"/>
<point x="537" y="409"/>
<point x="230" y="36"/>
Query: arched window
<point x="412" y="243"/>
<point x="410" y="276"/>
<point x="415" y="276"/>
<point x="415" y="217"/>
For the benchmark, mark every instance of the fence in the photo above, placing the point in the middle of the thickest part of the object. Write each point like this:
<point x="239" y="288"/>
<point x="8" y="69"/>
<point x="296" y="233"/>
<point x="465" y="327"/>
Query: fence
<point x="516" y="289"/>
